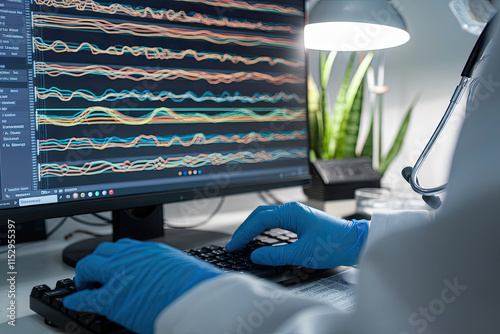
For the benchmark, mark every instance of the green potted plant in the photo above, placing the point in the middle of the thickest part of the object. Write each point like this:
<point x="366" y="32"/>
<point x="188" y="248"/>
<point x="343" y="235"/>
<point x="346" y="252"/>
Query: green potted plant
<point x="334" y="133"/>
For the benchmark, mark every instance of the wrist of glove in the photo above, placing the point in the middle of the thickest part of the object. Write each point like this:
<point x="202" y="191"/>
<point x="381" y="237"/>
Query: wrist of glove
<point x="139" y="279"/>
<point x="324" y="241"/>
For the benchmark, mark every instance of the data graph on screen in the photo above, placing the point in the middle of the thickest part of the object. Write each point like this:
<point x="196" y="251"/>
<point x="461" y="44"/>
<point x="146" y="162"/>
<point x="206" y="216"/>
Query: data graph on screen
<point x="166" y="141"/>
<point x="112" y="95"/>
<point x="167" y="90"/>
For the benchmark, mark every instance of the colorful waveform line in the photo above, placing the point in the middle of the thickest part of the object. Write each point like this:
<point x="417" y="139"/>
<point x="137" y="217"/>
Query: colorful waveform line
<point x="158" y="53"/>
<point x="139" y="74"/>
<point x="262" y="7"/>
<point x="167" y="141"/>
<point x="162" y="14"/>
<point x="149" y="30"/>
<point x="160" y="163"/>
<point x="112" y="95"/>
<point x="102" y="115"/>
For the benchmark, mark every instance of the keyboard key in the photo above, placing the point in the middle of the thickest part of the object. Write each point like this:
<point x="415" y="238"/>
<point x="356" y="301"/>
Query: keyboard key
<point x="223" y="265"/>
<point x="263" y="272"/>
<point x="235" y="260"/>
<point x="212" y="260"/>
<point x="260" y="237"/>
<point x="235" y="255"/>
<point x="87" y="318"/>
<point x="58" y="302"/>
<point x="66" y="283"/>
<point x="49" y="296"/>
<point x="72" y="314"/>
<point x="239" y="267"/>
<point x="205" y="255"/>
<point x="39" y="290"/>
<point x="270" y="241"/>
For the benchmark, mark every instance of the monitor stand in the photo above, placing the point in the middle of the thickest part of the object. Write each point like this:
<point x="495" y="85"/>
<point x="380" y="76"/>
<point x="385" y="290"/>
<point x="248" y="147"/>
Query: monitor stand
<point x="143" y="223"/>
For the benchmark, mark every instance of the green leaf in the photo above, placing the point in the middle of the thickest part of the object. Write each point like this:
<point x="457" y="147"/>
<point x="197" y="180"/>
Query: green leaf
<point x="326" y="154"/>
<point x="380" y="100"/>
<point x="352" y="127"/>
<point x="339" y="109"/>
<point x="398" y="141"/>
<point x="315" y="118"/>
<point x="312" y="156"/>
<point x="350" y="95"/>
<point x="326" y="64"/>
<point x="368" y="146"/>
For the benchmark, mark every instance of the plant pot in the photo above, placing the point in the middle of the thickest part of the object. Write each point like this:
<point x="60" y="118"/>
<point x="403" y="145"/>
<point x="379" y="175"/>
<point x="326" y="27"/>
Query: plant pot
<point x="338" y="179"/>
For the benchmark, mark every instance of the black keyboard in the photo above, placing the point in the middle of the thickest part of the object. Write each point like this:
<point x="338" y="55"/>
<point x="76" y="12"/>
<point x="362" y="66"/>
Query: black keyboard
<point x="47" y="302"/>
<point x="240" y="261"/>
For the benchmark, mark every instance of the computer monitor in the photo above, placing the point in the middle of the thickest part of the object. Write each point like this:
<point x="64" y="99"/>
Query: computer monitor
<point x="131" y="104"/>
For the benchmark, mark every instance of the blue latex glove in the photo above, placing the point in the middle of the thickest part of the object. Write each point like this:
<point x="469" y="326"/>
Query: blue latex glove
<point x="139" y="280"/>
<point x="323" y="241"/>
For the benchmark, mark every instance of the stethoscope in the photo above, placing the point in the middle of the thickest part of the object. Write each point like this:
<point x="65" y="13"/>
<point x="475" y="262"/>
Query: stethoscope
<point x="411" y="173"/>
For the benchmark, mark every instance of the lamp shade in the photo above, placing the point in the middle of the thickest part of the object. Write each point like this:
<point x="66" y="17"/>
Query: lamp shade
<point x="355" y="25"/>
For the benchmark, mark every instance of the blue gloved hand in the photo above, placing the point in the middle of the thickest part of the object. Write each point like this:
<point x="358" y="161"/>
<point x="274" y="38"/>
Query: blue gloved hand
<point x="323" y="241"/>
<point x="139" y="280"/>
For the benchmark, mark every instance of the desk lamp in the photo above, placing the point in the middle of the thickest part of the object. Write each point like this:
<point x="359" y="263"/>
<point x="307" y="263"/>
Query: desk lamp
<point x="355" y="25"/>
<point x="358" y="25"/>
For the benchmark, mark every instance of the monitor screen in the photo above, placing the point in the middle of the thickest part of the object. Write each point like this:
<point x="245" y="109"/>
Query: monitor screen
<point x="106" y="105"/>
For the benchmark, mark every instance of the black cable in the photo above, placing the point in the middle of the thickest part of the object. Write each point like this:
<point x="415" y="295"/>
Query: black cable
<point x="203" y="221"/>
<point x="69" y="235"/>
<point x="276" y="201"/>
<point x="270" y="194"/>
<point x="264" y="198"/>
<point x="81" y="221"/>
<point x="102" y="217"/>
<point x="57" y="227"/>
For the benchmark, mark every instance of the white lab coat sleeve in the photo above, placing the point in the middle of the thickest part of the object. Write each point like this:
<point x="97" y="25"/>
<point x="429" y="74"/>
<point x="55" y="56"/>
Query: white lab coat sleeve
<point x="232" y="303"/>
<point x="384" y="223"/>
<point x="431" y="278"/>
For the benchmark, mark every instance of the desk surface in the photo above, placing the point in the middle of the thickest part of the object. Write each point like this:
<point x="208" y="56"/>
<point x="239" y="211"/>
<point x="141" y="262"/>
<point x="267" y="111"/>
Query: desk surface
<point x="40" y="262"/>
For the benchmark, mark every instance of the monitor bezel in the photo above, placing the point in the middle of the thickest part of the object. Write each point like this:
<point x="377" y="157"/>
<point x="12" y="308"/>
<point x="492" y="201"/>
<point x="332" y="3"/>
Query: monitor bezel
<point x="63" y="209"/>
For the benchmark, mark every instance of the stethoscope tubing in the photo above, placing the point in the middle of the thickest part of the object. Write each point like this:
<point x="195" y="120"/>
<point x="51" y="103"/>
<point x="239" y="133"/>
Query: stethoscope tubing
<point x="473" y="59"/>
